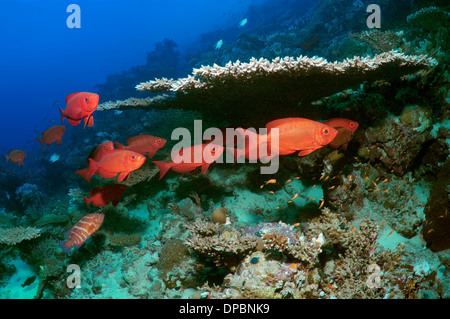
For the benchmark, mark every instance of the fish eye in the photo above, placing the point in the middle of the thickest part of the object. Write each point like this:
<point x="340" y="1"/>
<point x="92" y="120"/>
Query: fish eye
<point x="133" y="157"/>
<point x="86" y="99"/>
<point x="159" y="140"/>
<point x="352" y="124"/>
<point x="213" y="150"/>
<point x="325" y="131"/>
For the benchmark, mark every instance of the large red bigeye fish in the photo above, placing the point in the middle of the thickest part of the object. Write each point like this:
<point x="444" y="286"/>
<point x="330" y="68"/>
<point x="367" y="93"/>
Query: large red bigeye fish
<point x="115" y="162"/>
<point x="16" y="156"/>
<point x="96" y="153"/>
<point x="143" y="144"/>
<point x="346" y="128"/>
<point x="52" y="134"/>
<point x="200" y="156"/>
<point x="80" y="105"/>
<point x="340" y="122"/>
<point x="294" y="134"/>
<point x="103" y="195"/>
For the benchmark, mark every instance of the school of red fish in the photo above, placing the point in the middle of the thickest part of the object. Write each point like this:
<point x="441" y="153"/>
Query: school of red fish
<point x="294" y="135"/>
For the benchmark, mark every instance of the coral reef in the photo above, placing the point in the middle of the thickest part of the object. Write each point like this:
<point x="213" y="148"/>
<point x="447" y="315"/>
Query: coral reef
<point x="225" y="245"/>
<point x="436" y="230"/>
<point x="383" y="41"/>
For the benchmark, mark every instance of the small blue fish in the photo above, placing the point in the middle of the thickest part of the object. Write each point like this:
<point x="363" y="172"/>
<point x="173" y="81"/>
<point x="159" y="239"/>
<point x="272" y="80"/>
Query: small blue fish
<point x="243" y="22"/>
<point x="54" y="158"/>
<point x="219" y="44"/>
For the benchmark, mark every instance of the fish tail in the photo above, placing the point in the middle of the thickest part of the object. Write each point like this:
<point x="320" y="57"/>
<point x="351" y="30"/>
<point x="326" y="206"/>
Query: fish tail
<point x="63" y="115"/>
<point x="65" y="246"/>
<point x="93" y="167"/>
<point x="41" y="141"/>
<point x="85" y="174"/>
<point x="6" y="157"/>
<point x="87" y="200"/>
<point x="120" y="146"/>
<point x="163" y="168"/>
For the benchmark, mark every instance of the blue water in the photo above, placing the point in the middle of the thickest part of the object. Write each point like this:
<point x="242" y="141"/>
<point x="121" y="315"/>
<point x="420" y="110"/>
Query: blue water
<point x="42" y="60"/>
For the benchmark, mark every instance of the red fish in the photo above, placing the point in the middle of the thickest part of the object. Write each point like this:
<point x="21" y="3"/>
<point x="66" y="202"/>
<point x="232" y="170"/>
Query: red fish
<point x="114" y="162"/>
<point x="343" y="137"/>
<point x="81" y="231"/>
<point x="340" y="122"/>
<point x="204" y="154"/>
<point x="16" y="156"/>
<point x="101" y="196"/>
<point x="80" y="105"/>
<point x="96" y="153"/>
<point x="294" y="134"/>
<point x="51" y="135"/>
<point x="143" y="144"/>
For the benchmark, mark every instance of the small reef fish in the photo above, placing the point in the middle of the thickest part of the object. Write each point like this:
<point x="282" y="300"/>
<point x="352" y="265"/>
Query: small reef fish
<point x="211" y="151"/>
<point x="80" y="105"/>
<point x="340" y="122"/>
<point x="54" y="158"/>
<point x="114" y="162"/>
<point x="16" y="156"/>
<point x="51" y="135"/>
<point x="219" y="44"/>
<point x="96" y="154"/>
<point x="81" y="231"/>
<point x="143" y="144"/>
<point x="243" y="22"/>
<point x="294" y="133"/>
<point x="103" y="195"/>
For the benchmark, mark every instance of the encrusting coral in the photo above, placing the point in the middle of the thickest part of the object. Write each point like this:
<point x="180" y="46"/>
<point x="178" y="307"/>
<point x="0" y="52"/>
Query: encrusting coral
<point x="270" y="88"/>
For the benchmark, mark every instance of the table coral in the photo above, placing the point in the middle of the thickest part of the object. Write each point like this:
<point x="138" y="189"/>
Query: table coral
<point x="271" y="88"/>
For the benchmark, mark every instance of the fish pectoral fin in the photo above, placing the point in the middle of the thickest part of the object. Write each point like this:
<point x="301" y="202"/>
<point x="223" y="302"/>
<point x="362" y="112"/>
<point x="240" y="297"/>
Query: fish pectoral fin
<point x="123" y="176"/>
<point x="73" y="122"/>
<point x="306" y="152"/>
<point x="205" y="168"/>
<point x="89" y="121"/>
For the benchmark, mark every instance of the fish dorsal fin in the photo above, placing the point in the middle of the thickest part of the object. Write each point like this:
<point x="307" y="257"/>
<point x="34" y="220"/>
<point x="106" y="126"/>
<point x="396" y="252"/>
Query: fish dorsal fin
<point x="279" y="122"/>
<point x="68" y="97"/>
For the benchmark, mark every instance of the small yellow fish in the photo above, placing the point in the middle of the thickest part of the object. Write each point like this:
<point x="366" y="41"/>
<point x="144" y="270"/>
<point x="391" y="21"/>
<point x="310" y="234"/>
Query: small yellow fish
<point x="321" y="204"/>
<point x="294" y="197"/>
